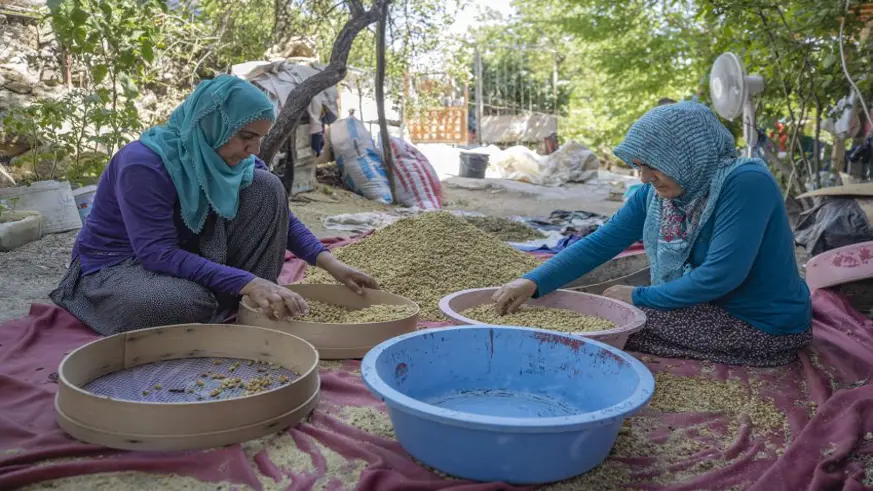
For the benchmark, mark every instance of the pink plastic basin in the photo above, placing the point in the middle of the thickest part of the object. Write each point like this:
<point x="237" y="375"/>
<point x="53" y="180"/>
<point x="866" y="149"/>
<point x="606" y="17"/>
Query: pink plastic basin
<point x="838" y="266"/>
<point x="627" y="318"/>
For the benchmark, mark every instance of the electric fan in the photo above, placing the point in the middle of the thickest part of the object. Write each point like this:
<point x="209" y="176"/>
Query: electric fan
<point x="732" y="90"/>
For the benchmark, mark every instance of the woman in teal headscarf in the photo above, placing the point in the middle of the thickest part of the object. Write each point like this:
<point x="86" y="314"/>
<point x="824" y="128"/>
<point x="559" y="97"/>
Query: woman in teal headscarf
<point x="186" y="219"/>
<point x="724" y="280"/>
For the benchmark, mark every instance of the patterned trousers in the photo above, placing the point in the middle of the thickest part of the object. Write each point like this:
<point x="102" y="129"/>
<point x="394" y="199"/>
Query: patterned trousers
<point x="708" y="332"/>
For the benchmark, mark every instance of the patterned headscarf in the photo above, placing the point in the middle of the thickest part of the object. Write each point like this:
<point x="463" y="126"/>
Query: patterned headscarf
<point x="688" y="143"/>
<point x="188" y="144"/>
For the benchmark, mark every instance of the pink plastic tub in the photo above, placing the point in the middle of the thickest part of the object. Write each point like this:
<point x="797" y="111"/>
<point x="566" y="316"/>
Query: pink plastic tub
<point x="627" y="318"/>
<point x="838" y="266"/>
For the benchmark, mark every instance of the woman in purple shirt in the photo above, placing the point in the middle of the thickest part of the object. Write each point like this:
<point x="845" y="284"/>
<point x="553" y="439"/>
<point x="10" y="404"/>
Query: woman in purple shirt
<point x="187" y="219"/>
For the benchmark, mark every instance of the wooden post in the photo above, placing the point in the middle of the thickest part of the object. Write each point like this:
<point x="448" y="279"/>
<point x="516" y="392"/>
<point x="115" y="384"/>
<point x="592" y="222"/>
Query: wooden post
<point x="479" y="102"/>
<point x="404" y="108"/>
<point x="465" y="122"/>
<point x="555" y="89"/>
<point x="387" y="156"/>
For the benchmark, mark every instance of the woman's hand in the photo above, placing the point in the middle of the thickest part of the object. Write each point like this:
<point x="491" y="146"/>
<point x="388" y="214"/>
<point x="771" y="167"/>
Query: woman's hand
<point x="621" y="292"/>
<point x="355" y="280"/>
<point x="512" y="295"/>
<point x="276" y="301"/>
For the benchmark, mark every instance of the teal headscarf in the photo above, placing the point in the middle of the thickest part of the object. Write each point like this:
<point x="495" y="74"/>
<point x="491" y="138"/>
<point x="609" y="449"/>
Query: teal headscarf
<point x="688" y="143"/>
<point x="188" y="145"/>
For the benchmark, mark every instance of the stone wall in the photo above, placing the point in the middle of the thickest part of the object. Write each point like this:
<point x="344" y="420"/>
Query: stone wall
<point x="30" y="64"/>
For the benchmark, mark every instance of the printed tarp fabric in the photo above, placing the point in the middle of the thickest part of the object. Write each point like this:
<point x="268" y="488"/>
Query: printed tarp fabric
<point x="358" y="161"/>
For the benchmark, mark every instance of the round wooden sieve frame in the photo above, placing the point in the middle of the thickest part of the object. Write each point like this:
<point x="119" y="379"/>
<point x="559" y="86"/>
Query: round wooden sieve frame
<point x="337" y="341"/>
<point x="136" y="425"/>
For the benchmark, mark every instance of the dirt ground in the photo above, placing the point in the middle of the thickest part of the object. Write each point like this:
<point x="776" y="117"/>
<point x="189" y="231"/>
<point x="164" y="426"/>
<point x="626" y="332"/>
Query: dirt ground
<point x="29" y="273"/>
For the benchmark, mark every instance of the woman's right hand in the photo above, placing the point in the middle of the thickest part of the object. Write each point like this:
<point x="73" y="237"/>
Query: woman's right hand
<point x="276" y="301"/>
<point x="512" y="295"/>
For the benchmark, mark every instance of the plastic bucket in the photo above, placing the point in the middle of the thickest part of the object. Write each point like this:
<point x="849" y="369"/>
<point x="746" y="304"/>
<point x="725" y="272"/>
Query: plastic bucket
<point x="53" y="199"/>
<point x="84" y="197"/>
<point x="473" y="165"/>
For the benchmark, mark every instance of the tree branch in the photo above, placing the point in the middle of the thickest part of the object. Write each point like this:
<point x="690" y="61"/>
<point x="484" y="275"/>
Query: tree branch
<point x="356" y="7"/>
<point x="299" y="98"/>
<point x="787" y="92"/>
<point x="387" y="156"/>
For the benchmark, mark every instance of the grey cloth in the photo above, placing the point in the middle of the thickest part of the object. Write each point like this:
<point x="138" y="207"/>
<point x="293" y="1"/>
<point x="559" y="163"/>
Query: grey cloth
<point x="126" y="297"/>
<point x="708" y="332"/>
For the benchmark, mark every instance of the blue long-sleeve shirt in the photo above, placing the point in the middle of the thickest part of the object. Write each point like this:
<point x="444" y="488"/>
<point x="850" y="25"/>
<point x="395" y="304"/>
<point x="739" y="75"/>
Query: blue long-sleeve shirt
<point x="743" y="259"/>
<point x="134" y="216"/>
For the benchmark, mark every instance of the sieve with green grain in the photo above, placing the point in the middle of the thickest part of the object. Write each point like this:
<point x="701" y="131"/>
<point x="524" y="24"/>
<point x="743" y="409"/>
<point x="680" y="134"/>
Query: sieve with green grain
<point x="428" y="256"/>
<point x="326" y="313"/>
<point x="551" y="318"/>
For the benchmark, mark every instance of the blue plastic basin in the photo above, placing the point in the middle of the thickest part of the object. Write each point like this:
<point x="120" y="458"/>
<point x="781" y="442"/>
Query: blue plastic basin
<point x="511" y="404"/>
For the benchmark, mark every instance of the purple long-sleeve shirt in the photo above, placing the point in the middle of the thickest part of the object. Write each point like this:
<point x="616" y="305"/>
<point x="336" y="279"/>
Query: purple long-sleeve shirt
<point x="134" y="217"/>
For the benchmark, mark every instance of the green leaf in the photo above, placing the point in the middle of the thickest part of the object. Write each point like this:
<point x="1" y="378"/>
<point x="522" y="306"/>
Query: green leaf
<point x="148" y="53"/>
<point x="129" y="85"/>
<point x="829" y="61"/>
<point x="80" y="34"/>
<point x="54" y="5"/>
<point x="78" y="16"/>
<point x="99" y="73"/>
<point x="104" y="95"/>
<point x="126" y="59"/>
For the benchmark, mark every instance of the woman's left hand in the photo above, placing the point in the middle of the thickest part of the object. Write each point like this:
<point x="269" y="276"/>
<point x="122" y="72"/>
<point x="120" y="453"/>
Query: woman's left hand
<point x="345" y="274"/>
<point x="621" y="292"/>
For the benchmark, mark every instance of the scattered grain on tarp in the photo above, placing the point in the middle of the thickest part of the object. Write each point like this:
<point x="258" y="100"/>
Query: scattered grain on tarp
<point x="677" y="394"/>
<point x="283" y="452"/>
<point x="120" y="481"/>
<point x="340" y="472"/>
<point x="332" y="364"/>
<point x="369" y="419"/>
<point x="541" y="317"/>
<point x="429" y="256"/>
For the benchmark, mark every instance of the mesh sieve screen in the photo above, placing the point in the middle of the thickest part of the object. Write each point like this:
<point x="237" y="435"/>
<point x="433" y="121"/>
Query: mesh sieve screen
<point x="190" y="380"/>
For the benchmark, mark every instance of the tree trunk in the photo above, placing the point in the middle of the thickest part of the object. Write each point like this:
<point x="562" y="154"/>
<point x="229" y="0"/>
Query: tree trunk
<point x="816" y="146"/>
<point x="290" y="160"/>
<point x="299" y="98"/>
<point x="387" y="156"/>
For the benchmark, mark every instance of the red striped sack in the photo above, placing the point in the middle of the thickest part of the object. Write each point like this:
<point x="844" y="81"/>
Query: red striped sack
<point x="416" y="181"/>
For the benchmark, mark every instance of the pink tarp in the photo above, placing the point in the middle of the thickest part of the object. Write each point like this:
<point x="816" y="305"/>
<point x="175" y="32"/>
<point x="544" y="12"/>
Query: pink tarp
<point x="828" y="448"/>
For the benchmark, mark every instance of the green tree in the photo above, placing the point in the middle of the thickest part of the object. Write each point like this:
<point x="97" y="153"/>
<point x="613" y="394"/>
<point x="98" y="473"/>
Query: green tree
<point x="621" y="57"/>
<point x="114" y="41"/>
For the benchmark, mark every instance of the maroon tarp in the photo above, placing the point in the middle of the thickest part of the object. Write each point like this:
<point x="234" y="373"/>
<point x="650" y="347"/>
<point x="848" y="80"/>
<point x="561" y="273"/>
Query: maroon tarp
<point x="827" y="450"/>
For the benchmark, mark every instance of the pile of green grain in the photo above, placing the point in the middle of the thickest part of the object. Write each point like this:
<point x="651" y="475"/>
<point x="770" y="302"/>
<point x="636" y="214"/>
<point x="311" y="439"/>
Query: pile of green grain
<point x="326" y="313"/>
<point x="541" y="317"/>
<point x="429" y="256"/>
<point x="505" y="229"/>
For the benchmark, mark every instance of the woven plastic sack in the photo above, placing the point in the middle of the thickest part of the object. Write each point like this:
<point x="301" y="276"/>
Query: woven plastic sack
<point x="359" y="163"/>
<point x="416" y="181"/>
